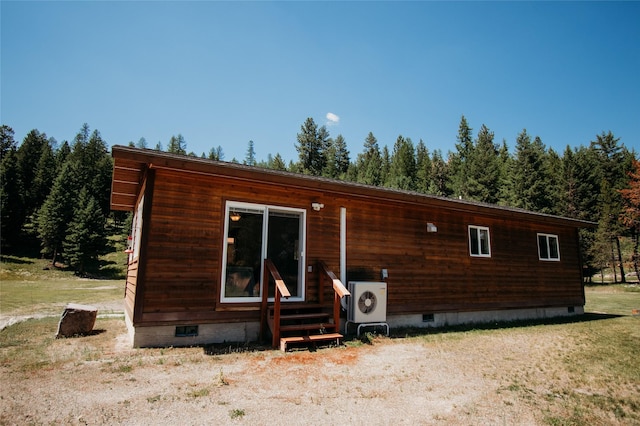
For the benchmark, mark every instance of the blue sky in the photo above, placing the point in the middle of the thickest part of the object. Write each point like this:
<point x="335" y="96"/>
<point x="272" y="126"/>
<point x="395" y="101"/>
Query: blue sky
<point x="224" y="73"/>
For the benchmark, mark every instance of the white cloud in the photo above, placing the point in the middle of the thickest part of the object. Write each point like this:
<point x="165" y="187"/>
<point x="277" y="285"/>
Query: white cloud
<point x="332" y="119"/>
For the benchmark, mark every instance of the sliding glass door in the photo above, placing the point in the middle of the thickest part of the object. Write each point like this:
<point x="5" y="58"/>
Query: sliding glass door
<point x="253" y="233"/>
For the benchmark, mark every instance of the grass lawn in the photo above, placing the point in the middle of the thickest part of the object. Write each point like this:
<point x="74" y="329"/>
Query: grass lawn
<point x="30" y="287"/>
<point x="615" y="299"/>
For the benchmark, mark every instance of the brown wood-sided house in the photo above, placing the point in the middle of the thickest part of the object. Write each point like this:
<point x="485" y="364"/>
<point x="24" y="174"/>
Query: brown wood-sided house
<point x="207" y="235"/>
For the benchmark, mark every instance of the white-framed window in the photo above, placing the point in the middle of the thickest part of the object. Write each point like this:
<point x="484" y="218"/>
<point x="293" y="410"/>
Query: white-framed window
<point x="479" y="241"/>
<point x="254" y="232"/>
<point x="136" y="232"/>
<point x="548" y="247"/>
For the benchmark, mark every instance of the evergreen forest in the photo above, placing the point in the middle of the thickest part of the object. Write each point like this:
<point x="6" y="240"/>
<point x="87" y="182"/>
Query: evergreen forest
<point x="54" y="197"/>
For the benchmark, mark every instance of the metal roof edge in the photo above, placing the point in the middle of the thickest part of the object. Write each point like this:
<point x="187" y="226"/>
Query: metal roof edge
<point x="148" y="155"/>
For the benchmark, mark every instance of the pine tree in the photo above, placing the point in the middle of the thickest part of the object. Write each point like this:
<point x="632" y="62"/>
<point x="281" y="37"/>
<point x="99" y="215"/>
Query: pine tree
<point x="57" y="211"/>
<point x="311" y="147"/>
<point x="142" y="143"/>
<point x="439" y="175"/>
<point x="504" y="160"/>
<point x="7" y="141"/>
<point x="460" y="160"/>
<point x="369" y="162"/>
<point x="553" y="171"/>
<point x="216" y="154"/>
<point x="337" y="158"/>
<point x="530" y="179"/>
<point x="483" y="170"/>
<point x="46" y="172"/>
<point x="62" y="154"/>
<point x="423" y="168"/>
<point x="250" y="158"/>
<point x="402" y="171"/>
<point x="278" y="163"/>
<point x="94" y="165"/>
<point x="85" y="238"/>
<point x="11" y="214"/>
<point x="385" y="165"/>
<point x="28" y="156"/>
<point x="582" y="179"/>
<point x="177" y="145"/>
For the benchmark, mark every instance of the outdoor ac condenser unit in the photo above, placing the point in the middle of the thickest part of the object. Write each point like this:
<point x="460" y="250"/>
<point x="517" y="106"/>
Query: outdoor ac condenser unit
<point x="368" y="302"/>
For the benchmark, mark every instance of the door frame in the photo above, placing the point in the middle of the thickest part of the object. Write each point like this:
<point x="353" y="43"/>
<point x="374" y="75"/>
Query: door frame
<point x="302" y="246"/>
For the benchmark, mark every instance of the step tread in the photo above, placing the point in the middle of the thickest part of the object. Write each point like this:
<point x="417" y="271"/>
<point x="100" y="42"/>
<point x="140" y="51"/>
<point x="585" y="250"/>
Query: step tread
<point x="284" y="341"/>
<point x="314" y="326"/>
<point x="285" y="317"/>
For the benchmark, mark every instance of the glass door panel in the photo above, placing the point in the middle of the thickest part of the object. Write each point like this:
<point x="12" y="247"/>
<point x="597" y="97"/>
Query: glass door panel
<point x="283" y="248"/>
<point x="244" y="253"/>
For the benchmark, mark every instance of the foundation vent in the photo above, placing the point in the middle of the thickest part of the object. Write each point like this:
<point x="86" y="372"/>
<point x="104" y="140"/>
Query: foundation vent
<point x="428" y="318"/>
<point x="186" y="330"/>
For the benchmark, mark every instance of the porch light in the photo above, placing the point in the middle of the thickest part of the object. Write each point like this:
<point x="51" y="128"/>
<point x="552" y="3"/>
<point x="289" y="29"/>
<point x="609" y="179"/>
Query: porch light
<point x="235" y="216"/>
<point x="431" y="227"/>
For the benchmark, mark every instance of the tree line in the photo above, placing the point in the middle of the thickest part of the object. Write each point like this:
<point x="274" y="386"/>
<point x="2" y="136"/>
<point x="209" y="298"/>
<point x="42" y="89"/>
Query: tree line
<point x="55" y="197"/>
<point x="598" y="182"/>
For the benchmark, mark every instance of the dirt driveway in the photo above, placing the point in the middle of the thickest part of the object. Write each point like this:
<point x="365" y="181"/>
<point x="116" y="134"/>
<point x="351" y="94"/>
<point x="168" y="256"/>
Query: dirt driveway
<point x="474" y="378"/>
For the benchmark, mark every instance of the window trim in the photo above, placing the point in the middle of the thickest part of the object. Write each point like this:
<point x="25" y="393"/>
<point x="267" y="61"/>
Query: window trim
<point x="477" y="229"/>
<point x="136" y="231"/>
<point x="547" y="238"/>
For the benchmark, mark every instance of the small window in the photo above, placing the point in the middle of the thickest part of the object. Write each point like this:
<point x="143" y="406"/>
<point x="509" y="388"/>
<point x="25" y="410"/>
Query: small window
<point x="548" y="248"/>
<point x="479" y="243"/>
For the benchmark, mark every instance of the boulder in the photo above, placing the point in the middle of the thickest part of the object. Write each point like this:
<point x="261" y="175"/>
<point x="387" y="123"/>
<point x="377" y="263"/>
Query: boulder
<point x="76" y="319"/>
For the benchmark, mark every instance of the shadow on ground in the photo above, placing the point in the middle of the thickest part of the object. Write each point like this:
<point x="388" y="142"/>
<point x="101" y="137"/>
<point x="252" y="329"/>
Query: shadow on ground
<point x="406" y="332"/>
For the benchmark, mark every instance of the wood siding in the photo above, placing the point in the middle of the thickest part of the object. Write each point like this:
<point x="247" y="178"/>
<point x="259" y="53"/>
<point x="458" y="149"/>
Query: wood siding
<point x="434" y="272"/>
<point x="428" y="272"/>
<point x="177" y="278"/>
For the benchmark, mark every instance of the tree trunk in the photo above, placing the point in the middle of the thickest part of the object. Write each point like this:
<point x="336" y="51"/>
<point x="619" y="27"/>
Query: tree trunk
<point x="55" y="257"/>
<point x="613" y="265"/>
<point x="636" y="237"/>
<point x="623" y="278"/>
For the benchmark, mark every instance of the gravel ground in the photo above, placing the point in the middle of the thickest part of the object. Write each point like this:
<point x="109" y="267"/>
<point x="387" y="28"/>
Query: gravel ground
<point x="99" y="379"/>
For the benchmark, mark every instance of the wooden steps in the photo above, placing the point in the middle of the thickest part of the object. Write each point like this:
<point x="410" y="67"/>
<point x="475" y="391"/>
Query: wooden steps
<point x="303" y="324"/>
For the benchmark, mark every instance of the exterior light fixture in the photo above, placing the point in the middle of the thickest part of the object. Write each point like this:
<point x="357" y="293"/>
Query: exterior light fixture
<point x="317" y="206"/>
<point x="234" y="216"/>
<point x="431" y="227"/>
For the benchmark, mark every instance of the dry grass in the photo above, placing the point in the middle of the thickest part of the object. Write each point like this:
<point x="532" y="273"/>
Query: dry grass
<point x="575" y="373"/>
<point x="584" y="371"/>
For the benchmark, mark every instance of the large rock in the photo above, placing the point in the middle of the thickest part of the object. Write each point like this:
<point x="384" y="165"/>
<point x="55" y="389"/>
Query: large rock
<point x="76" y="319"/>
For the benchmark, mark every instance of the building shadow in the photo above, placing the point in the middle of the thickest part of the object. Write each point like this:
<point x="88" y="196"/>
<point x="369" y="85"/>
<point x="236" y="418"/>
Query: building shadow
<point x="403" y="332"/>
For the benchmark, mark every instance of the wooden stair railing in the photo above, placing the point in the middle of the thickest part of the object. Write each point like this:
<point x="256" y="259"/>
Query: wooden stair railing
<point x="281" y="290"/>
<point x="339" y="291"/>
<point x="300" y="323"/>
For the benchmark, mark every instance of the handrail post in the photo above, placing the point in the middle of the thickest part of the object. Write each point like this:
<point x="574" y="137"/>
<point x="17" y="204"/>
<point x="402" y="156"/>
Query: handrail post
<point x="338" y="288"/>
<point x="336" y="311"/>
<point x="276" y="318"/>
<point x="281" y="290"/>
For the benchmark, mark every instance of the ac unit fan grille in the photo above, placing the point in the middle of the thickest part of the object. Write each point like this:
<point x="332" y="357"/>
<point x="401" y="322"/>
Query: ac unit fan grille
<point x="367" y="302"/>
